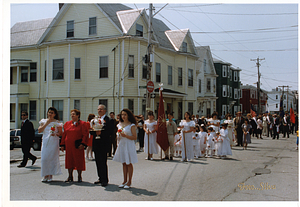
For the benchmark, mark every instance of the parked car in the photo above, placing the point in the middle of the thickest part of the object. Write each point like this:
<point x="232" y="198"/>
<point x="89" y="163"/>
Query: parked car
<point x="15" y="138"/>
<point x="37" y="142"/>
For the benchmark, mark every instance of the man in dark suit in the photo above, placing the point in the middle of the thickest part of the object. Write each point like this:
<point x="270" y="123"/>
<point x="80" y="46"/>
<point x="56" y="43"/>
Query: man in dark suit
<point x="27" y="136"/>
<point x="238" y="121"/>
<point x="113" y="145"/>
<point x="286" y="125"/>
<point x="102" y="145"/>
<point x="275" y="126"/>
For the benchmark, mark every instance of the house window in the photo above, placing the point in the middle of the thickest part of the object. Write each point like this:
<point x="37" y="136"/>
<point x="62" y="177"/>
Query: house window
<point x="32" y="110"/>
<point x="158" y="72"/>
<point x="145" y="69"/>
<point x="235" y="109"/>
<point x="276" y="106"/>
<point x="230" y="92"/>
<point x="224" y="110"/>
<point x="45" y="75"/>
<point x="105" y="103"/>
<point x="32" y="72"/>
<point x="131" y="66"/>
<point x="230" y="75"/>
<point x="131" y="105"/>
<point x="139" y="30"/>
<point x="180" y="76"/>
<point x="184" y="47"/>
<point x="224" y="70"/>
<point x="238" y="93"/>
<point x="224" y="90"/>
<point x="199" y="86"/>
<point x="58" y="69"/>
<point x="77" y="68"/>
<point x="228" y="72"/>
<point x="24" y="107"/>
<point x="77" y="104"/>
<point x="191" y="77"/>
<point x="170" y="77"/>
<point x="103" y="64"/>
<point x="204" y="65"/>
<point x="235" y="76"/>
<point x="190" y="107"/>
<point x="70" y="28"/>
<point x="11" y="115"/>
<point x="24" y="74"/>
<point x="276" y="96"/>
<point x="45" y="108"/>
<point x="241" y="107"/>
<point x="208" y="84"/>
<point x="214" y="85"/>
<point x="59" y="105"/>
<point x="92" y="26"/>
<point x="235" y="93"/>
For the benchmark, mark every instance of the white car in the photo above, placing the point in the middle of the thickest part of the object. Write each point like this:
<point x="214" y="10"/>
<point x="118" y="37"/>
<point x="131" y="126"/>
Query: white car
<point x="16" y="135"/>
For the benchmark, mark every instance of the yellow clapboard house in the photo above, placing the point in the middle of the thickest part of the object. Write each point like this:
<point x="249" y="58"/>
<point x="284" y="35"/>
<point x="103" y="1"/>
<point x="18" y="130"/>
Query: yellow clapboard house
<point x="94" y="53"/>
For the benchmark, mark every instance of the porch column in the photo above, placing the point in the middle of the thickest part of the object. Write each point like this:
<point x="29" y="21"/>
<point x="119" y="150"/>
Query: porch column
<point x="18" y="72"/>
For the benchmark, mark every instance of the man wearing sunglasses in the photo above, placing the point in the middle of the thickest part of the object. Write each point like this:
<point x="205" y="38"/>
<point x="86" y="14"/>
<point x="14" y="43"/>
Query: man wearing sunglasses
<point x="27" y="136"/>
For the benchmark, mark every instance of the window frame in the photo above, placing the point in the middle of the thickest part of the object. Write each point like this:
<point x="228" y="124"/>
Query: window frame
<point x="92" y="26"/>
<point x="224" y="71"/>
<point x="24" y="75"/>
<point x="32" y="110"/>
<point x="70" y="31"/>
<point x="138" y="32"/>
<point x="208" y="85"/>
<point x="224" y="93"/>
<point x="77" y="105"/>
<point x="190" y="77"/>
<point x="103" y="68"/>
<point x="170" y="75"/>
<point x="57" y="69"/>
<point x="33" y="72"/>
<point x="131" y="105"/>
<point x="184" y="47"/>
<point x="179" y="76"/>
<point x="58" y="104"/>
<point x="157" y="72"/>
<point x="77" y="69"/>
<point x="130" y="66"/>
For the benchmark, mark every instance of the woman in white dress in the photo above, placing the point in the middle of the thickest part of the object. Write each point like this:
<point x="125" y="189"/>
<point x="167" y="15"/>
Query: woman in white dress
<point x="224" y="147"/>
<point x="126" y="152"/>
<point x="229" y="123"/>
<point x="51" y="129"/>
<point x="214" y="122"/>
<point x="188" y="129"/>
<point x="150" y="134"/>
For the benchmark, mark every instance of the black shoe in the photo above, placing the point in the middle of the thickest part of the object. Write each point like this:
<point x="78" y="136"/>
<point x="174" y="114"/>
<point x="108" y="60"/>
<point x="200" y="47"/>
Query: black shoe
<point x="171" y="158"/>
<point x="98" y="182"/>
<point x="104" y="184"/>
<point x="70" y="179"/>
<point x="21" y="166"/>
<point x="79" y="179"/>
<point x="166" y="157"/>
<point x="33" y="161"/>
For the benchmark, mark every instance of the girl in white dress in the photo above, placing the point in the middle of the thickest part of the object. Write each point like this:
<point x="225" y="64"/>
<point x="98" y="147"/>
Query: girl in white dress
<point x="188" y="129"/>
<point x="214" y="122"/>
<point x="229" y="123"/>
<point x="203" y="140"/>
<point x="224" y="148"/>
<point x="196" y="144"/>
<point x="126" y="152"/>
<point x="150" y="133"/>
<point x="51" y="129"/>
<point x="177" y="144"/>
<point x="210" y="142"/>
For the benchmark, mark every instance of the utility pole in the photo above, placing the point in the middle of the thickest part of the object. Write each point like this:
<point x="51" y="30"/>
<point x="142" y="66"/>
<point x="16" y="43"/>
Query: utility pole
<point x="287" y="98"/>
<point x="149" y="58"/>
<point x="258" y="83"/>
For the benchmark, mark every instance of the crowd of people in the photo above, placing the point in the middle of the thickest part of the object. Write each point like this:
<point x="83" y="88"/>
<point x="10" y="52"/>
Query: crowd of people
<point x="191" y="138"/>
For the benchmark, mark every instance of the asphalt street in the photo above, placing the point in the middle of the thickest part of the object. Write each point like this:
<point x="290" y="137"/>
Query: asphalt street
<point x="266" y="171"/>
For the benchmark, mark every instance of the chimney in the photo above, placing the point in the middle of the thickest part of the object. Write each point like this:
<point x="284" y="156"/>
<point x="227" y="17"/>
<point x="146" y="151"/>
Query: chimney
<point x="60" y="5"/>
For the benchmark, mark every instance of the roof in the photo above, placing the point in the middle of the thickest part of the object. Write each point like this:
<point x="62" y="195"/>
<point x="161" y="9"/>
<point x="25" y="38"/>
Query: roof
<point x="28" y="33"/>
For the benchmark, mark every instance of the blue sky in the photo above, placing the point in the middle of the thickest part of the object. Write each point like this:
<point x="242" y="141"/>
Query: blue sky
<point x="235" y="33"/>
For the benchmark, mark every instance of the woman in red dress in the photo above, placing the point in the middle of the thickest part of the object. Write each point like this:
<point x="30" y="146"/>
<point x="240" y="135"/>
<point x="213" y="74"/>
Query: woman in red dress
<point x="90" y="139"/>
<point x="74" y="130"/>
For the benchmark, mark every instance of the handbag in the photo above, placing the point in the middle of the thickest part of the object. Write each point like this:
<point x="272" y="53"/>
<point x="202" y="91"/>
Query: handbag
<point x="78" y="142"/>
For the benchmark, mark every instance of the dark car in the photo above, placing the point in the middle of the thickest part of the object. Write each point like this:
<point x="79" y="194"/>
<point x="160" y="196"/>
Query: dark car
<point x="37" y="141"/>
